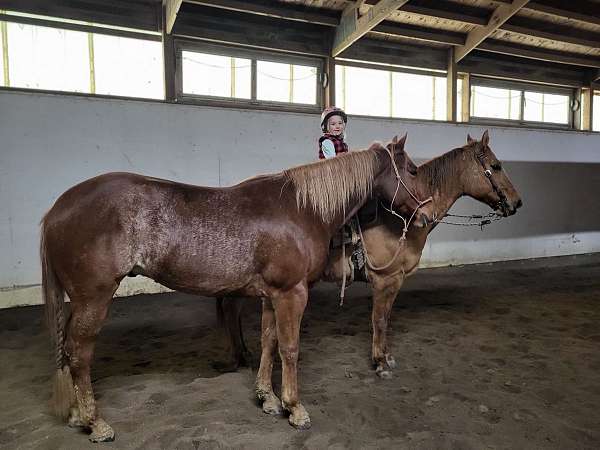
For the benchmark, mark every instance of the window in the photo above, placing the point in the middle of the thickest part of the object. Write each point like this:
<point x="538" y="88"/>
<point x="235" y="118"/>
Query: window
<point x="596" y="113"/>
<point x="520" y="103"/>
<point x="48" y="58"/>
<point x="44" y="57"/>
<point x="128" y="67"/>
<point x="214" y="75"/>
<point x="226" y="73"/>
<point x="376" y="92"/>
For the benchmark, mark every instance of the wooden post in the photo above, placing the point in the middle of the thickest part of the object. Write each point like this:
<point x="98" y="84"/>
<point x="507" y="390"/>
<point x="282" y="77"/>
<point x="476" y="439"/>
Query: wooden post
<point x="329" y="89"/>
<point x="451" y="87"/>
<point x="466" y="98"/>
<point x="169" y="62"/>
<point x="587" y="106"/>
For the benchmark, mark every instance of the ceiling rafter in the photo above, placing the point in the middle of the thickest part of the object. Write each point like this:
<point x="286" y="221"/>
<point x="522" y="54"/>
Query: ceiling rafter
<point x="352" y="27"/>
<point x="171" y="10"/>
<point x="500" y="15"/>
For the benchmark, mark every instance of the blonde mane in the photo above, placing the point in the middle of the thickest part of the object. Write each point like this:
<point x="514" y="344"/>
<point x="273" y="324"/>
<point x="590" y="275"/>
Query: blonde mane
<point x="328" y="185"/>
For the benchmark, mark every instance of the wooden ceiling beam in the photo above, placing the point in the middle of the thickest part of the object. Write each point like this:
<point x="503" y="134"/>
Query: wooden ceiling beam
<point x="580" y="10"/>
<point x="171" y="10"/>
<point x="272" y="9"/>
<point x="500" y="15"/>
<point x="441" y="9"/>
<point x="420" y="33"/>
<point x="539" y="53"/>
<point x="548" y="30"/>
<point x="352" y="27"/>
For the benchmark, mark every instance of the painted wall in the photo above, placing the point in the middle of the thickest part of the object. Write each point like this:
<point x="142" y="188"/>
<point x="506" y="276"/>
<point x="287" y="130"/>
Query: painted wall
<point x="51" y="142"/>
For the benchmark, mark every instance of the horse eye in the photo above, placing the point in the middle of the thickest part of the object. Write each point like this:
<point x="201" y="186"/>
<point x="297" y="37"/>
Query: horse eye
<point x="497" y="166"/>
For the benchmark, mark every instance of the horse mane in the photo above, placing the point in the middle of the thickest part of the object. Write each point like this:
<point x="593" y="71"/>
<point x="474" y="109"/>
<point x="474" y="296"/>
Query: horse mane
<point x="443" y="170"/>
<point x="328" y="185"/>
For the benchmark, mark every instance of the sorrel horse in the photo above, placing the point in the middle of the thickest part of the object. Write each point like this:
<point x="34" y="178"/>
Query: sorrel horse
<point x="266" y="237"/>
<point x="472" y="170"/>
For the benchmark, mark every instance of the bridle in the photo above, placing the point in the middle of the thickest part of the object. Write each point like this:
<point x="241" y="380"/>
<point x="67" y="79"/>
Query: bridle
<point x="400" y="181"/>
<point x="502" y="203"/>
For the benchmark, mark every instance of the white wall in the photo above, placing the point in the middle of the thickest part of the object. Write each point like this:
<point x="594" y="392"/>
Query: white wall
<point x="51" y="142"/>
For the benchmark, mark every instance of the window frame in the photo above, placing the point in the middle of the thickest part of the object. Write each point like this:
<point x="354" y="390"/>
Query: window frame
<point x="523" y="87"/>
<point x="231" y="51"/>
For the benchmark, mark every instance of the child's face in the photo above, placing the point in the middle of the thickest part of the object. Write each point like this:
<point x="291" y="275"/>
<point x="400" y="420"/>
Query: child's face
<point x="336" y="125"/>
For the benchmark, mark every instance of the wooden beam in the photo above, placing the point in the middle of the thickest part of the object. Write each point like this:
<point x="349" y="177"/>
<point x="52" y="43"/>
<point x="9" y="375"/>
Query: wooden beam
<point x="271" y="9"/>
<point x="171" y="9"/>
<point x="352" y="27"/>
<point x="501" y="14"/>
<point x="420" y="33"/>
<point x="539" y="53"/>
<point x="451" y="87"/>
<point x="552" y="31"/>
<point x="596" y="76"/>
<point x="232" y="27"/>
<point x="586" y="102"/>
<point x="466" y="97"/>
<point x="519" y="69"/>
<point x="169" y="61"/>
<point x="445" y="10"/>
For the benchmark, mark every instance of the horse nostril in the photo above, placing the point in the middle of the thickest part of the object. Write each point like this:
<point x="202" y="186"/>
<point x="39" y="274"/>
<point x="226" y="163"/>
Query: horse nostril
<point x="519" y="204"/>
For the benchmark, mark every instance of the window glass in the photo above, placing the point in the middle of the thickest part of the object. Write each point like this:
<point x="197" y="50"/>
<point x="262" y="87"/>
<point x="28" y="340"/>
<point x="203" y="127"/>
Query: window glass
<point x="216" y="75"/>
<point x="367" y="91"/>
<point x="596" y="113"/>
<point x="542" y="107"/>
<point x="495" y="103"/>
<point x="128" y="67"/>
<point x="48" y="58"/>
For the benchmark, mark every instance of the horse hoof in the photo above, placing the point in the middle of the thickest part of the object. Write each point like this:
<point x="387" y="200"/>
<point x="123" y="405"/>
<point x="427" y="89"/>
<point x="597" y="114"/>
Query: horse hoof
<point x="75" y="419"/>
<point x="272" y="406"/>
<point x="391" y="362"/>
<point x="102" y="432"/>
<point x="384" y="374"/>
<point x="299" y="418"/>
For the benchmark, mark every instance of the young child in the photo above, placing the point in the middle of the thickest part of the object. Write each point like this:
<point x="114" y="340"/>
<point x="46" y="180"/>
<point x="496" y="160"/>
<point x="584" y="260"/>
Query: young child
<point x="333" y="125"/>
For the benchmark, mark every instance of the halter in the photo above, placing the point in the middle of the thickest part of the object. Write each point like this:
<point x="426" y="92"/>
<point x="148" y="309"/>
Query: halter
<point x="502" y="203"/>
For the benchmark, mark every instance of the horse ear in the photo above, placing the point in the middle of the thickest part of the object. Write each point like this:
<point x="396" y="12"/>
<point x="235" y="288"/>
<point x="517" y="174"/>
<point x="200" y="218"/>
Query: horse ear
<point x="401" y="142"/>
<point x="470" y="140"/>
<point x="485" y="139"/>
<point x="395" y="140"/>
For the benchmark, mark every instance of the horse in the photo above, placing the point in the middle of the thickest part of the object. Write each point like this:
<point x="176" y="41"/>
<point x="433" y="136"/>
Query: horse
<point x="266" y="237"/>
<point x="393" y="254"/>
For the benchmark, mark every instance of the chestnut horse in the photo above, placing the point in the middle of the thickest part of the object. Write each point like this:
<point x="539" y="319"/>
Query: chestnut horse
<point x="266" y="237"/>
<point x="472" y="170"/>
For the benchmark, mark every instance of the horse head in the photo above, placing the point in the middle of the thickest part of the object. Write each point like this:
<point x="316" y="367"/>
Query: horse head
<point x="488" y="182"/>
<point x="398" y="186"/>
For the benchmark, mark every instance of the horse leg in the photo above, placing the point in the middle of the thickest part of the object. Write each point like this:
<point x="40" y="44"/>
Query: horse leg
<point x="385" y="290"/>
<point x="232" y="319"/>
<point x="264" y="388"/>
<point x="87" y="317"/>
<point x="289" y="309"/>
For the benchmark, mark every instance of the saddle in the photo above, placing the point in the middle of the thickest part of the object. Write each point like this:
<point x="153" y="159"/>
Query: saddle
<point x="349" y="234"/>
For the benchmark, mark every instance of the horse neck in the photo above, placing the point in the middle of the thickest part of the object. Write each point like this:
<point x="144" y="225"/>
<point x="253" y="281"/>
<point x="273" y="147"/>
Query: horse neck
<point x="446" y="189"/>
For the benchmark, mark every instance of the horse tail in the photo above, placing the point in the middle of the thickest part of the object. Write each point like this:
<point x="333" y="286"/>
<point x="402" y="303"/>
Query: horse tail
<point x="53" y="293"/>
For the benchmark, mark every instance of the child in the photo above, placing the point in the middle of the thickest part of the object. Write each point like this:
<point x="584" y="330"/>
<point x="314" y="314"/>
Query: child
<point x="333" y="125"/>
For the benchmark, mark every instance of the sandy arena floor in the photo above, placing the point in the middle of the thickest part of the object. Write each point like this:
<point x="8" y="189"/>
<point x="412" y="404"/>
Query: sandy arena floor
<point x="494" y="356"/>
